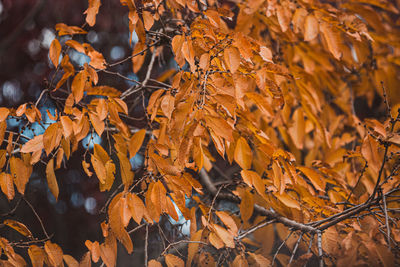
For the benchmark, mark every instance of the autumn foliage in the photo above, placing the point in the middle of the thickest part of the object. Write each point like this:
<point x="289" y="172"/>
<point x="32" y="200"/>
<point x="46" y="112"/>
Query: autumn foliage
<point x="253" y="135"/>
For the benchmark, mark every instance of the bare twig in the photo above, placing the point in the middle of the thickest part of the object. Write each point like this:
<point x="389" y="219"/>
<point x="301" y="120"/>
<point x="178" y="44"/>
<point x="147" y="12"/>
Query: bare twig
<point x="319" y="244"/>
<point x="295" y="248"/>
<point x="386" y="220"/>
<point x="37" y="216"/>
<point x="279" y="248"/>
<point x="253" y="229"/>
<point x="146" y="243"/>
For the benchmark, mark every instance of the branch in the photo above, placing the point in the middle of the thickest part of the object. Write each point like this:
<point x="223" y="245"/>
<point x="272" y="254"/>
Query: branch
<point x="206" y="180"/>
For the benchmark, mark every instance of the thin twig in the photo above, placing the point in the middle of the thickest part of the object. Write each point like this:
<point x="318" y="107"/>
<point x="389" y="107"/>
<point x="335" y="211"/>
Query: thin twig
<point x="295" y="248"/>
<point x="279" y="248"/>
<point x="319" y="244"/>
<point x="386" y="220"/>
<point x="255" y="228"/>
<point x="37" y="216"/>
<point x="146" y="243"/>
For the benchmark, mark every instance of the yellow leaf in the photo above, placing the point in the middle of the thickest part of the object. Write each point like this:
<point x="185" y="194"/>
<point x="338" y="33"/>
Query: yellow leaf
<point x="51" y="178"/>
<point x="92" y="11"/>
<point x="243" y="155"/>
<point x="54" y="253"/>
<point x="19" y="227"/>
<point x="7" y="185"/>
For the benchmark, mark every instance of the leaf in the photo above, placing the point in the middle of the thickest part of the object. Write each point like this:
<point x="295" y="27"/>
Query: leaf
<point x="126" y="170"/>
<point x="4" y="113"/>
<point x="19" y="227"/>
<point x="64" y="29"/>
<point x="158" y="197"/>
<point x="260" y="259"/>
<point x="92" y="11"/>
<point x="7" y="185"/>
<point x="54" y="253"/>
<point x="173" y="261"/>
<point x="193" y="247"/>
<point x="225" y="236"/>
<point x="136" y="207"/>
<point x="54" y="52"/>
<point x="97" y="123"/>
<point x="310" y="28"/>
<point x="21" y="173"/>
<point x="243" y="155"/>
<point x="228" y="221"/>
<point x="232" y="58"/>
<point x="154" y="263"/>
<point x="37" y="255"/>
<point x="287" y="200"/>
<point x="78" y="85"/>
<point x="51" y="178"/>
<point x="51" y="138"/>
<point x="246" y="205"/>
<point x="136" y="142"/>
<point x="315" y="178"/>
<point x="67" y="126"/>
<point x="332" y="39"/>
<point x="167" y="105"/>
<point x="99" y="168"/>
<point x="33" y="145"/>
<point x="70" y="261"/>
<point x="220" y="127"/>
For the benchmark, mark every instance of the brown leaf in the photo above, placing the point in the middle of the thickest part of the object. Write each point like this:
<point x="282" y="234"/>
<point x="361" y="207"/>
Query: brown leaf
<point x="33" y="145"/>
<point x="232" y="58"/>
<point x="310" y="28"/>
<point x="246" y="205"/>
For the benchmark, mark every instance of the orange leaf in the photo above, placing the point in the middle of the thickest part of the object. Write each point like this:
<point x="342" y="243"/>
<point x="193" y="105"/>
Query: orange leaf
<point x="19" y="227"/>
<point x="310" y="28"/>
<point x="173" y="261"/>
<point x="4" y="113"/>
<point x="64" y="29"/>
<point x="228" y="221"/>
<point x="51" y="138"/>
<point x="51" y="178"/>
<point x="225" y="236"/>
<point x="246" y="205"/>
<point x="97" y="123"/>
<point x="316" y="179"/>
<point x="136" y="142"/>
<point x="67" y="126"/>
<point x="7" y="185"/>
<point x="33" y="145"/>
<point x="21" y="173"/>
<point x="243" y="155"/>
<point x="232" y="58"/>
<point x="54" y="253"/>
<point x="37" y="256"/>
<point x="92" y="11"/>
<point x="136" y="207"/>
<point x="167" y="105"/>
<point x="54" y="52"/>
<point x="70" y="261"/>
<point x="125" y="167"/>
<point x="78" y="85"/>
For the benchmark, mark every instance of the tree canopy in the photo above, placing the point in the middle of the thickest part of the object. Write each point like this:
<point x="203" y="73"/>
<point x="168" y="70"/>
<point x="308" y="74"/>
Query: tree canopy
<point x="245" y="133"/>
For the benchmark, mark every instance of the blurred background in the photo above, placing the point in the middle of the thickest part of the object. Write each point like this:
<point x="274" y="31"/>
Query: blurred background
<point x="26" y="32"/>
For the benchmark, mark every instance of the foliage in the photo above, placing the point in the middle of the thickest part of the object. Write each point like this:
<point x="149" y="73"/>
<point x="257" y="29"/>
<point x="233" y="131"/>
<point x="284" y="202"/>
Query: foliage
<point x="263" y="90"/>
